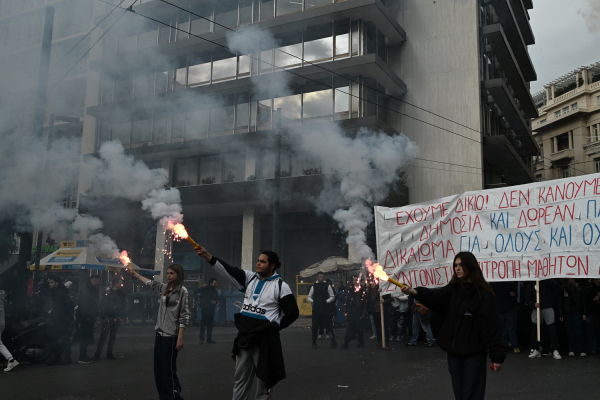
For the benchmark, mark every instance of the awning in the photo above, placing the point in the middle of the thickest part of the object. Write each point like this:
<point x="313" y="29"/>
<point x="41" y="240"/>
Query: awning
<point x="76" y="255"/>
<point x="331" y="264"/>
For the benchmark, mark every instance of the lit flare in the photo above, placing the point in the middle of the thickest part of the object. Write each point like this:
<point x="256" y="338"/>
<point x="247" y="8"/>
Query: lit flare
<point x="381" y="275"/>
<point x="124" y="258"/>
<point x="179" y="231"/>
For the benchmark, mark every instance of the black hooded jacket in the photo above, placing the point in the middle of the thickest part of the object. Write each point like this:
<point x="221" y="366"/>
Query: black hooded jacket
<point x="469" y="323"/>
<point x="89" y="301"/>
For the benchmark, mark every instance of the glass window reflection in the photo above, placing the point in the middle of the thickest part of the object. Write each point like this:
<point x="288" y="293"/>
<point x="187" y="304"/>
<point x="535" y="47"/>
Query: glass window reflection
<point x="199" y="25"/>
<point x="318" y="43"/>
<point x="317" y="3"/>
<point x="242" y="112"/>
<point x="290" y="109"/>
<point x="342" y="39"/>
<point x="224" y="65"/>
<point x="177" y="126"/>
<point x="142" y="132"/>
<point x="244" y="66"/>
<point x="221" y="118"/>
<point x="264" y="114"/>
<point x="289" y="52"/>
<point x="245" y="12"/>
<point x="288" y="6"/>
<point x="226" y="14"/>
<point x="159" y="128"/>
<point x="210" y="170"/>
<point x="267" y="9"/>
<point x="199" y="69"/>
<point x="234" y="167"/>
<point x="183" y="23"/>
<point x="317" y="103"/>
<point x="186" y="171"/>
<point x="122" y="131"/>
<point x="179" y="74"/>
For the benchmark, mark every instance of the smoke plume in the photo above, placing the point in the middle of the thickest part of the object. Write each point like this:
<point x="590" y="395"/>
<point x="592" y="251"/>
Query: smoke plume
<point x="591" y="15"/>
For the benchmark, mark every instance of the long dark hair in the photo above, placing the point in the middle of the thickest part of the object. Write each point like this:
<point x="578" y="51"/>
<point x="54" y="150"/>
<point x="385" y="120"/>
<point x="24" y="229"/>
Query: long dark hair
<point x="178" y="269"/>
<point x="273" y="259"/>
<point x="470" y="264"/>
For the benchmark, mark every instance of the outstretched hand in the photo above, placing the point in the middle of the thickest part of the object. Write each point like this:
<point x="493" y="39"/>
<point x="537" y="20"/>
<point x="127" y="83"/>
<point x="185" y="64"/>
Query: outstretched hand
<point x="202" y="252"/>
<point x="407" y="290"/>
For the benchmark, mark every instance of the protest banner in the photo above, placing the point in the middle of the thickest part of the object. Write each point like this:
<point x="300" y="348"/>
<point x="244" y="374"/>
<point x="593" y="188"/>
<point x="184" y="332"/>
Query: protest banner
<point x="540" y="230"/>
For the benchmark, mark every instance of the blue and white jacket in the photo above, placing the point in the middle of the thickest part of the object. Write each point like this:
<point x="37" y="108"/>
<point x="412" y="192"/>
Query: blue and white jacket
<point x="268" y="301"/>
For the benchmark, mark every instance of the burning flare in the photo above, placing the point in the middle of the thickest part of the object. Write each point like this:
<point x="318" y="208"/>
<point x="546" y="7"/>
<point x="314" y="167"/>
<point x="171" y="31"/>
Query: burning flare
<point x="379" y="274"/>
<point x="124" y="257"/>
<point x="180" y="232"/>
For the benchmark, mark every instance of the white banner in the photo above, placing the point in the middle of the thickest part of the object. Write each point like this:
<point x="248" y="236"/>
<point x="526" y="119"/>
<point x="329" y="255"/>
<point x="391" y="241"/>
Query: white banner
<point x="540" y="230"/>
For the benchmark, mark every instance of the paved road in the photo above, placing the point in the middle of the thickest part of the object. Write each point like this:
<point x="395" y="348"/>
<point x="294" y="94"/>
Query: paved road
<point x="206" y="373"/>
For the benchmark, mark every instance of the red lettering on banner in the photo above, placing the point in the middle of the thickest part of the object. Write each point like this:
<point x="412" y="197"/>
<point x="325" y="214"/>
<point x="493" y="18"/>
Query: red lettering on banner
<point x="515" y="198"/>
<point x="388" y="254"/>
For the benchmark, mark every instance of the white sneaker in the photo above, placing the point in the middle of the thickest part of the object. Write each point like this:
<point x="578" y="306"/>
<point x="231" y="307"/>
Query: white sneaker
<point x="327" y="336"/>
<point x="11" y="365"/>
<point x="571" y="354"/>
<point x="583" y="355"/>
<point x="373" y="337"/>
<point x="534" y="354"/>
<point x="319" y="337"/>
<point x="556" y="355"/>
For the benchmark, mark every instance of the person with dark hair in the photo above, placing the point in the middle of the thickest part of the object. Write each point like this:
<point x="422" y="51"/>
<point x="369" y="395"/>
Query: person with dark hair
<point x="173" y="317"/>
<point x="355" y="308"/>
<point x="548" y="294"/>
<point x="269" y="306"/>
<point x="209" y="296"/>
<point x="470" y="327"/>
<point x="59" y="321"/>
<point x="112" y="311"/>
<point x="87" y="312"/>
<point x="320" y="296"/>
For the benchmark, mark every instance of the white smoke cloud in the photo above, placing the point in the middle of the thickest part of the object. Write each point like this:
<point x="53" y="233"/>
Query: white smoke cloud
<point x="591" y="15"/>
<point x="164" y="205"/>
<point x="103" y="245"/>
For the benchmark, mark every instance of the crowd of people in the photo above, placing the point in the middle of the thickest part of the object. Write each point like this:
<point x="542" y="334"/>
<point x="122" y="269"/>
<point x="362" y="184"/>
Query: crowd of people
<point x="569" y="314"/>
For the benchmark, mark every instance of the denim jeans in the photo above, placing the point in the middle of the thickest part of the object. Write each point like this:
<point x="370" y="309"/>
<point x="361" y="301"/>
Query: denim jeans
<point x="574" y="323"/>
<point x="415" y="330"/>
<point x="509" y="328"/>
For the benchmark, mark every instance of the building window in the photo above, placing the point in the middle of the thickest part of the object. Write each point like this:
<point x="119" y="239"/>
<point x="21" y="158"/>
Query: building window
<point x="598" y="100"/>
<point x="597" y="164"/>
<point x="224" y="66"/>
<point x="557" y="113"/>
<point x="288" y="7"/>
<point x="565" y="172"/>
<point x="543" y="121"/>
<point x="318" y="43"/>
<point x="566" y="110"/>
<point x="267" y="9"/>
<point x="574" y="106"/>
<point x="199" y="25"/>
<point x="142" y="132"/>
<point x="186" y="172"/>
<point x="199" y="69"/>
<point x="562" y="142"/>
<point x="595" y="137"/>
<point x="538" y="178"/>
<point x="211" y="170"/>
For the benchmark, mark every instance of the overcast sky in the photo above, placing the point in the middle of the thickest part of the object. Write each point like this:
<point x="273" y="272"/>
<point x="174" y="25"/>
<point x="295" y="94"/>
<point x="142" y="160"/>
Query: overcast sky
<point x="567" y="36"/>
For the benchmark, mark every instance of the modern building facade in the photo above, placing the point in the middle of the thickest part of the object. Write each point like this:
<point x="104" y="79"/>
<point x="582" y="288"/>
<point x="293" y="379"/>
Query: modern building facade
<point x="176" y="98"/>
<point x="568" y="125"/>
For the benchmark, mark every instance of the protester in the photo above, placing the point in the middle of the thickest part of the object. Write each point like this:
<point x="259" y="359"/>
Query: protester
<point x="88" y="311"/>
<point x="355" y="308"/>
<point x="341" y="287"/>
<point x="173" y="317"/>
<point x="470" y="327"/>
<point x="405" y="316"/>
<point x="573" y="312"/>
<point x="506" y="295"/>
<point x="209" y="296"/>
<point x="594" y="309"/>
<point x="421" y="319"/>
<point x="112" y="311"/>
<point x="394" y="316"/>
<point x="59" y="319"/>
<point x="321" y="296"/>
<point x="3" y="350"/>
<point x="374" y="301"/>
<point x="548" y="292"/>
<point x="269" y="306"/>
<point x="332" y="307"/>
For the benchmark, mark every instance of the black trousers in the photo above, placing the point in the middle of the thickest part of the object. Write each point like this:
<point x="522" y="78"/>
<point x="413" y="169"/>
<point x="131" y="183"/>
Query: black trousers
<point x="165" y="368"/>
<point x="110" y="327"/>
<point x="551" y="332"/>
<point x="208" y="318"/>
<point x="322" y="320"/>
<point x="86" y="328"/>
<point x="468" y="376"/>
<point x="61" y="341"/>
<point x="354" y="327"/>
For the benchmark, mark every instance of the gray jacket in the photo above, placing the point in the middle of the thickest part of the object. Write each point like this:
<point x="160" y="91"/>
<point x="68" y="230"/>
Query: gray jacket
<point x="2" y="309"/>
<point x="173" y="312"/>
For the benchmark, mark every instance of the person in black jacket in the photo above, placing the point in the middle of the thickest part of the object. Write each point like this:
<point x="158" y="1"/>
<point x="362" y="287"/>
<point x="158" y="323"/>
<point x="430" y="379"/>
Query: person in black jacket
<point x="112" y="311"/>
<point x="87" y="312"/>
<point x="506" y="294"/>
<point x="548" y="294"/>
<point x="470" y="327"/>
<point x="209" y="296"/>
<point x="573" y="311"/>
<point x="355" y="308"/>
<point x="269" y="307"/>
<point x="321" y="296"/>
<point x="59" y="320"/>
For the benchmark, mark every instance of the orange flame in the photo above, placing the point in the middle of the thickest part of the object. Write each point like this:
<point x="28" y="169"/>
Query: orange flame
<point x="125" y="258"/>
<point x="378" y="272"/>
<point x="178" y="229"/>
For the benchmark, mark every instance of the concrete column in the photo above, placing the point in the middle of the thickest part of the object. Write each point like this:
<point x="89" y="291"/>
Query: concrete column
<point x="250" y="237"/>
<point x="570" y="139"/>
<point x="552" y="88"/>
<point x="554" y="145"/>
<point x="250" y="163"/>
<point x="577" y="78"/>
<point x="548" y="93"/>
<point x="584" y="75"/>
<point x="162" y="252"/>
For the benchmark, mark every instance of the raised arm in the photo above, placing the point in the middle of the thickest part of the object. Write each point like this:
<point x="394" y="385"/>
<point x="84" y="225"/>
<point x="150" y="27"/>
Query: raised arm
<point x="310" y="294"/>
<point x="288" y="306"/>
<point x="236" y="276"/>
<point x="157" y="287"/>
<point x="434" y="299"/>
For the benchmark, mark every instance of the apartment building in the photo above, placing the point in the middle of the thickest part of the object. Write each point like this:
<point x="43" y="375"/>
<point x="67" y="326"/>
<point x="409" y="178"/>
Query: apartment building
<point x="567" y="127"/>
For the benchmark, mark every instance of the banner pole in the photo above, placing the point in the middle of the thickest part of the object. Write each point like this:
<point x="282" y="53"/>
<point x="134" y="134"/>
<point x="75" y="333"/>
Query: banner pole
<point x="382" y="323"/>
<point x="537" y="300"/>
